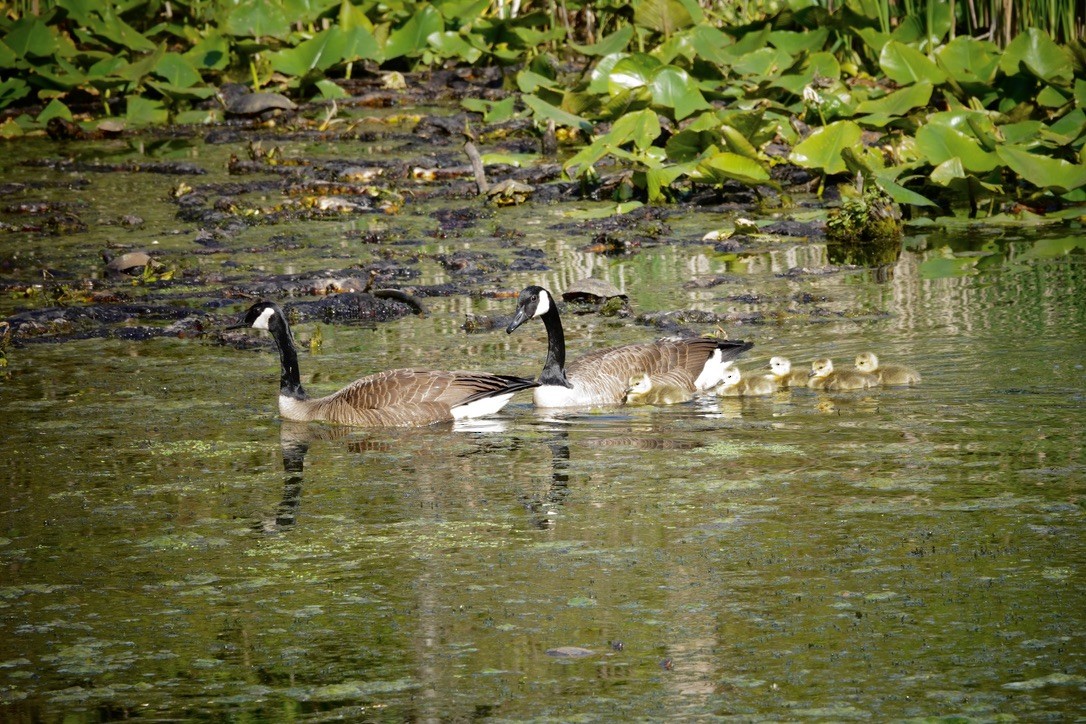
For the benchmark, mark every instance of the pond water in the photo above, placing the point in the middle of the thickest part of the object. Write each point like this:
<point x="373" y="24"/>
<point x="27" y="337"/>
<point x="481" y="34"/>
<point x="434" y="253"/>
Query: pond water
<point x="171" y="550"/>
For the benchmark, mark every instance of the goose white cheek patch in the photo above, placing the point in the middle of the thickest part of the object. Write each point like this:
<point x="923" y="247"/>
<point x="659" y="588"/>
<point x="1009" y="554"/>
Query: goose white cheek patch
<point x="544" y="304"/>
<point x="262" y="321"/>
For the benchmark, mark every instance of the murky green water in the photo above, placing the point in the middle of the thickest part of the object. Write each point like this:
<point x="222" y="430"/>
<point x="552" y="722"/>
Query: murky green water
<point x="170" y="550"/>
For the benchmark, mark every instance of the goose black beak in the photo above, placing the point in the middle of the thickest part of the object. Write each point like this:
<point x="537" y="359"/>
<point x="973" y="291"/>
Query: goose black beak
<point x="518" y="319"/>
<point x="236" y="326"/>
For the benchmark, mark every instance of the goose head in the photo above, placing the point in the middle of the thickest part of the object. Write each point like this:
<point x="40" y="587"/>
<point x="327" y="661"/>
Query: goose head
<point x="639" y="385"/>
<point x="821" y="367"/>
<point x="780" y="366"/>
<point x="533" y="302"/>
<point x="732" y="376"/>
<point x="867" y="362"/>
<point x="259" y="316"/>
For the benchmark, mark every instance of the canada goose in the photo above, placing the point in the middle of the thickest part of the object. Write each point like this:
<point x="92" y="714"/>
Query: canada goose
<point x="391" y="398"/>
<point x="644" y="390"/>
<point x="735" y="385"/>
<point x="602" y="377"/>
<point x="886" y="374"/>
<point x="824" y="377"/>
<point x="781" y="370"/>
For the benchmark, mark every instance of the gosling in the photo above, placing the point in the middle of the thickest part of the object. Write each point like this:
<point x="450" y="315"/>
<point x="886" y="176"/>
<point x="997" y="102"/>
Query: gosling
<point x="644" y="391"/>
<point x="781" y="371"/>
<point x="824" y="377"/>
<point x="735" y="385"/>
<point x="868" y="363"/>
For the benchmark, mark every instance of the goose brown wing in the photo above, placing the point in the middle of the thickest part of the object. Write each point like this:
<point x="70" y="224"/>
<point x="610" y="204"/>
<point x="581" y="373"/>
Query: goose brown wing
<point x="681" y="360"/>
<point x="396" y="388"/>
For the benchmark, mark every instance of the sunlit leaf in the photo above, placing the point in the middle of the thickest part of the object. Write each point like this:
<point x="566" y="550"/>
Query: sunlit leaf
<point x="642" y="127"/>
<point x="905" y="64"/>
<point x="1042" y="57"/>
<point x="968" y="60"/>
<point x="666" y="16"/>
<point x="545" y="111"/>
<point x="143" y="112"/>
<point x="257" y="19"/>
<point x="1043" y="171"/>
<point x="900" y="101"/>
<point x="898" y="193"/>
<point x="602" y="71"/>
<point x="212" y="52"/>
<point x="29" y="36"/>
<point x="672" y="87"/>
<point x="940" y="143"/>
<point x="948" y="171"/>
<point x="613" y="43"/>
<point x="727" y="165"/>
<point x="120" y="33"/>
<point x="176" y="70"/>
<point x="794" y="43"/>
<point x="55" y="109"/>
<point x="330" y="90"/>
<point x="763" y="62"/>
<point x="453" y="45"/>
<point x="410" y="39"/>
<point x="631" y="72"/>
<point x="353" y="16"/>
<point x="822" y="149"/>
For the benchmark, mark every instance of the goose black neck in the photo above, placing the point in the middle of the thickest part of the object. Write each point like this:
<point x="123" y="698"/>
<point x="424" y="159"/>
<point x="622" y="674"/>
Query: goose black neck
<point x="290" y="381"/>
<point x="554" y="368"/>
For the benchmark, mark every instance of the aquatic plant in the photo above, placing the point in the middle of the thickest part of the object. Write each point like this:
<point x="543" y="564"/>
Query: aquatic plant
<point x="680" y="96"/>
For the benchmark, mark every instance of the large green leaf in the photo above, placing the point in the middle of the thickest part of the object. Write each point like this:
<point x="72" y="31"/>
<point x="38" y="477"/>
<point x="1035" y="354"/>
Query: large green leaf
<point x="672" y="87"/>
<point x="631" y="72"/>
<point x="324" y="50"/>
<point x="120" y="33"/>
<point x="143" y="112"/>
<point x="1043" y="171"/>
<point x="1042" y="57"/>
<point x="727" y="165"/>
<point x="257" y="19"/>
<point x="450" y="44"/>
<point x="886" y="179"/>
<point x="763" y="62"/>
<point x="598" y="78"/>
<point x="939" y="143"/>
<point x="212" y="52"/>
<point x="410" y="39"/>
<point x="11" y="90"/>
<point x="642" y="127"/>
<point x="794" y="43"/>
<point x="613" y="43"/>
<point x="545" y="111"/>
<point x="666" y="16"/>
<point x="969" y="61"/>
<point x="900" y="101"/>
<point x="178" y="71"/>
<point x="905" y="64"/>
<point x="29" y="36"/>
<point x="822" y="149"/>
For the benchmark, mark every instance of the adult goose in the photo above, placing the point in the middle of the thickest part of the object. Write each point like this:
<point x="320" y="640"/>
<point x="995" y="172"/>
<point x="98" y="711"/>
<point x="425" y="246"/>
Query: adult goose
<point x="887" y="374"/>
<point x="386" y="399"/>
<point x="695" y="364"/>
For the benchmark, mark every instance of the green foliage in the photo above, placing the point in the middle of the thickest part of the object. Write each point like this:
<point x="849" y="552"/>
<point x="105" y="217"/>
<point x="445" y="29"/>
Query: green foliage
<point x="677" y="94"/>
